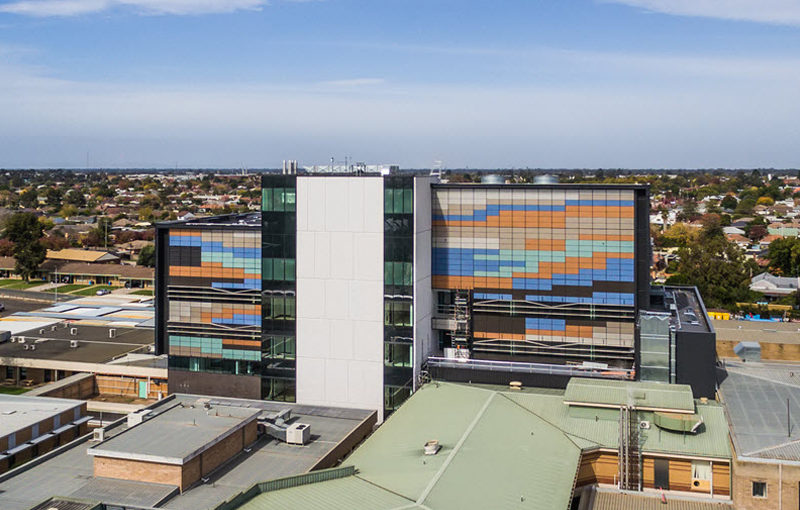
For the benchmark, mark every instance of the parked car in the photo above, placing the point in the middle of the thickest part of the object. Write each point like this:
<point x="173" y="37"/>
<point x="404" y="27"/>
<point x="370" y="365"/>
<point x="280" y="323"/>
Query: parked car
<point x="2" y="307"/>
<point x="103" y="292"/>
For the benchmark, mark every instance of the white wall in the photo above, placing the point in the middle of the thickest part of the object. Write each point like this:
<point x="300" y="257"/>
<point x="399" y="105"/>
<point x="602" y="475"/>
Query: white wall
<point x="340" y="292"/>
<point x="424" y="342"/>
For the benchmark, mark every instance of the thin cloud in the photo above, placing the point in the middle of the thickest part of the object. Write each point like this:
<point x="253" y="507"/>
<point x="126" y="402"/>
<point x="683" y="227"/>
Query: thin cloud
<point x="353" y="82"/>
<point x="50" y="8"/>
<point x="777" y="12"/>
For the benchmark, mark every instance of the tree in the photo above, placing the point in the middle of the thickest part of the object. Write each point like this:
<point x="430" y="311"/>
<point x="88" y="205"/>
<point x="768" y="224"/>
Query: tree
<point x="147" y="257"/>
<point x="768" y="201"/>
<point x="784" y="256"/>
<point x="729" y="202"/>
<point x="757" y="232"/>
<point x="29" y="199"/>
<point x="717" y="267"/>
<point x="25" y="231"/>
<point x="101" y="234"/>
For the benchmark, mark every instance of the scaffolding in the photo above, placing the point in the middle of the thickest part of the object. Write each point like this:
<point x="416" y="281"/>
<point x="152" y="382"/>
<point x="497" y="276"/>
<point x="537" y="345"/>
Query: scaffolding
<point x="462" y="320"/>
<point x="630" y="452"/>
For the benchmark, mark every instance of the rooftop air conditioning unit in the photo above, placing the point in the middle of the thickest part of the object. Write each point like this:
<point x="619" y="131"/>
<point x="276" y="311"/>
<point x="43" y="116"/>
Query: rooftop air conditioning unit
<point x="137" y="418"/>
<point x="644" y="424"/>
<point x="73" y="331"/>
<point x="99" y="434"/>
<point x="112" y="333"/>
<point x="25" y="347"/>
<point x="33" y="347"/>
<point x="298" y="433"/>
<point x="73" y="344"/>
<point x="21" y="339"/>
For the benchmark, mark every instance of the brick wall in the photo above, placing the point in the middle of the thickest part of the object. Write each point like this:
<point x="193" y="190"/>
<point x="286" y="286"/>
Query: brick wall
<point x="138" y="471"/>
<point x="782" y="486"/>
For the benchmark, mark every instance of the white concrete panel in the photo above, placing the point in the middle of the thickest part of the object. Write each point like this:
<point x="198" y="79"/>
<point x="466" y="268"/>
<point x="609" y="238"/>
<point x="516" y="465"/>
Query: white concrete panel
<point x="355" y="206"/>
<point x="310" y="302"/>
<point x="366" y="385"/>
<point x="322" y="255"/>
<point x="313" y="338"/>
<point x="342" y="255"/>
<point x="342" y="337"/>
<point x="337" y="299"/>
<point x="340" y="292"/>
<point x="336" y="385"/>
<point x="368" y="257"/>
<point x="425" y="344"/>
<point x="301" y="204"/>
<point x="368" y="341"/>
<point x="305" y="254"/>
<point x="311" y="386"/>
<point x="315" y="198"/>
<point x="373" y="205"/>
<point x="366" y="301"/>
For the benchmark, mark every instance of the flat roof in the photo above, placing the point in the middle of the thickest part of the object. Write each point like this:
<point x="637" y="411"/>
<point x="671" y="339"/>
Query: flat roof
<point x="176" y="435"/>
<point x="609" y="499"/>
<point x="18" y="411"/>
<point x="555" y="185"/>
<point x="68" y="472"/>
<point x="640" y="395"/>
<point x="757" y="331"/>
<point x="755" y="396"/>
<point x="524" y="446"/>
<point x="245" y="220"/>
<point x="94" y="343"/>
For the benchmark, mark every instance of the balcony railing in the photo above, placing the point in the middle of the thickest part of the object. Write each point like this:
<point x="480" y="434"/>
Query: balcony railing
<point x="532" y="368"/>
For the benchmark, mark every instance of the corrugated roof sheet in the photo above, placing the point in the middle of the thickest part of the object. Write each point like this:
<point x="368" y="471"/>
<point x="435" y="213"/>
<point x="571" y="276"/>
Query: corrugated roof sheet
<point x="607" y="500"/>
<point x="641" y="395"/>
<point x="351" y="492"/>
<point x="600" y="427"/>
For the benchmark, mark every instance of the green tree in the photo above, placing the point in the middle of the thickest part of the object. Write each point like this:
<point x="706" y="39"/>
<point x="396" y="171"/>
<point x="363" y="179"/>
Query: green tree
<point x="25" y="231"/>
<point x="784" y="256"/>
<point x="717" y="267"/>
<point x="729" y="202"/>
<point x="147" y="257"/>
<point x="29" y="199"/>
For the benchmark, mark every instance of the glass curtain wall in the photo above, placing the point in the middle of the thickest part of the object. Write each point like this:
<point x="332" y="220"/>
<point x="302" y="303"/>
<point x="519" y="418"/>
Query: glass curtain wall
<point x="278" y="249"/>
<point x="398" y="249"/>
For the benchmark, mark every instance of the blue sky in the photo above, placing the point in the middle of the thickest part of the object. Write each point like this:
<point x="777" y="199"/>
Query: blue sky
<point x="480" y="84"/>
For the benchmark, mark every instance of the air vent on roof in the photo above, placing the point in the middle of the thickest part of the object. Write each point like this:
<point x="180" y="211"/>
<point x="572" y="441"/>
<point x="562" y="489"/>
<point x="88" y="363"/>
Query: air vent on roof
<point x="432" y="447"/>
<point x="639" y="395"/>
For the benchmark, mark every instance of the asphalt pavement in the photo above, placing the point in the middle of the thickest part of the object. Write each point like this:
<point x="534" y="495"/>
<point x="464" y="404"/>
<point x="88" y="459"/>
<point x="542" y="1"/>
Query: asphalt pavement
<point x="18" y="305"/>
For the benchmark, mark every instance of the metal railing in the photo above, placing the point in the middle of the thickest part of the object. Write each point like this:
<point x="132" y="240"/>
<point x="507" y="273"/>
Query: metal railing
<point x="531" y="368"/>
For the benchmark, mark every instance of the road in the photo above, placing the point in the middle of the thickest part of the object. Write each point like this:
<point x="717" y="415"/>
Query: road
<point x="18" y="305"/>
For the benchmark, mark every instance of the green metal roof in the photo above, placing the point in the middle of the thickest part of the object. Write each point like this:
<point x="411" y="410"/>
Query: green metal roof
<point x="640" y="395"/>
<point x="350" y="492"/>
<point x="500" y="449"/>
<point x="600" y="426"/>
<point x="495" y="454"/>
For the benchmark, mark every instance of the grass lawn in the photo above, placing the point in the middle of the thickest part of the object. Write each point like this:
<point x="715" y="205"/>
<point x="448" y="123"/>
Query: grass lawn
<point x="7" y="281"/>
<point x="23" y="285"/>
<point x="11" y="390"/>
<point x="91" y="291"/>
<point x="71" y="287"/>
<point x="143" y="292"/>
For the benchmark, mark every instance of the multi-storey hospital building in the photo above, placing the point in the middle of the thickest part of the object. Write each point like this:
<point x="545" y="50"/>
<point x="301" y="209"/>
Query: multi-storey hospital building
<point x="347" y="290"/>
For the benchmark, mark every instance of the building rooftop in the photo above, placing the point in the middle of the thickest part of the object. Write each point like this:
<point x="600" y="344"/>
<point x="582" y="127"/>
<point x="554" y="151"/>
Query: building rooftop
<point x="685" y="305"/>
<point x="642" y="396"/>
<point x="18" y="412"/>
<point x="758" y="331"/>
<point x="524" y="445"/>
<point x="76" y="255"/>
<point x="70" y="473"/>
<point x="94" y="343"/>
<point x="252" y="219"/>
<point x="605" y="499"/>
<point x="177" y="434"/>
<point x="755" y="397"/>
